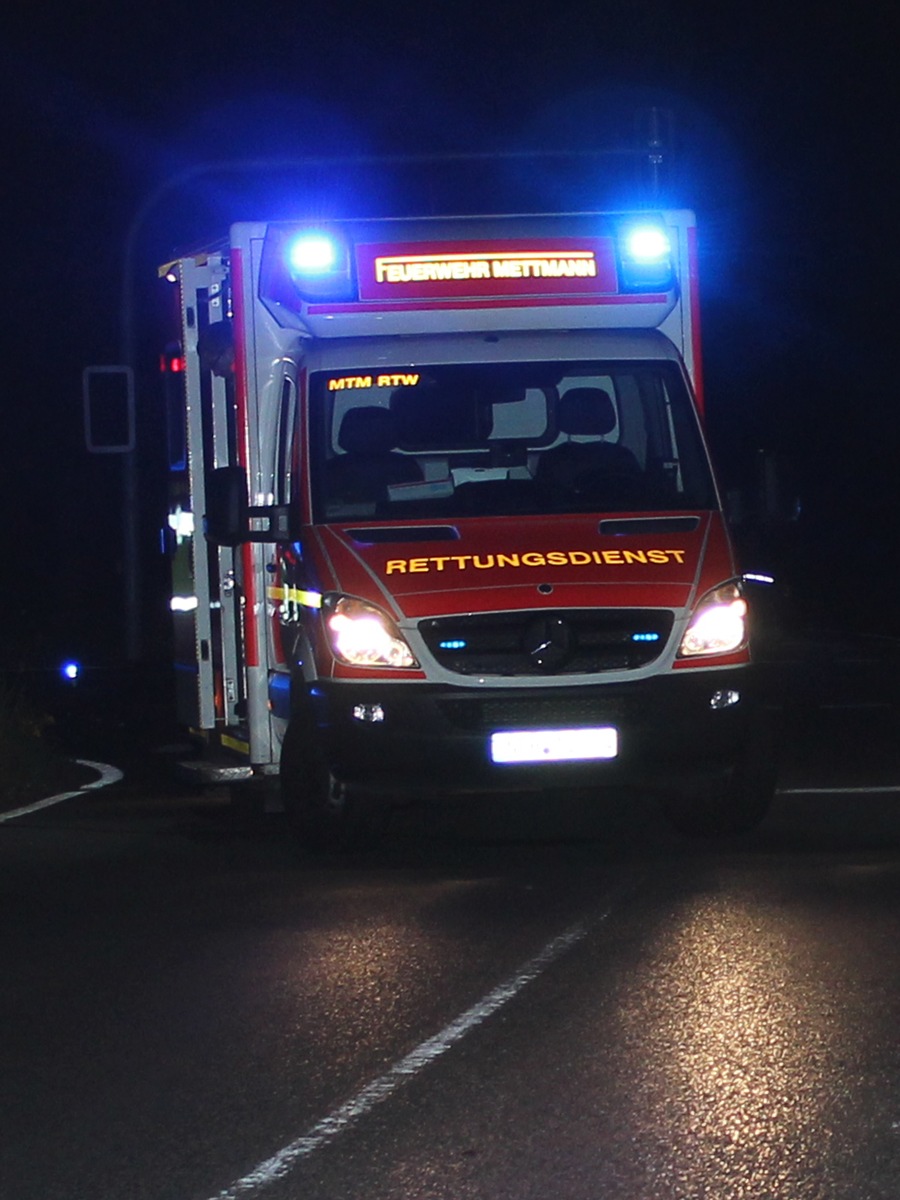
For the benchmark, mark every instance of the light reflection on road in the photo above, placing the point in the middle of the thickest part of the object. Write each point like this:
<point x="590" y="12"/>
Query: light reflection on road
<point x="748" y="1037"/>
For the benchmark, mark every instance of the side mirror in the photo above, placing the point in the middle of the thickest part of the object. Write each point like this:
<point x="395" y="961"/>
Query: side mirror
<point x="227" y="518"/>
<point x="230" y="519"/>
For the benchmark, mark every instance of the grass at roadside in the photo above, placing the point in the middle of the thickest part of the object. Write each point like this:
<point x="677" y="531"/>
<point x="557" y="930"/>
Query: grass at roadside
<point x="111" y="714"/>
<point x="31" y="766"/>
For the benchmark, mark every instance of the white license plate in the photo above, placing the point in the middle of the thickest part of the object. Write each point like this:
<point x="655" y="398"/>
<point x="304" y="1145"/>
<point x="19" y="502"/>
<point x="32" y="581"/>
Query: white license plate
<point x="554" y="745"/>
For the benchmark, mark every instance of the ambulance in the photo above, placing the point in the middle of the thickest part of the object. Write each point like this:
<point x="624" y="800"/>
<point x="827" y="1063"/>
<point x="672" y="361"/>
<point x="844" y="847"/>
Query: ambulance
<point x="444" y="520"/>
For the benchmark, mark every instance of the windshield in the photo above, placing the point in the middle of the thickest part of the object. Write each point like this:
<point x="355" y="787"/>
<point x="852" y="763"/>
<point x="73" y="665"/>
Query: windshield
<point x="501" y="439"/>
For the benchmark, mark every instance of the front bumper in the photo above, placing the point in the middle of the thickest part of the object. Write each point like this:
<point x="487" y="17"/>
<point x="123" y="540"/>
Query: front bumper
<point x="437" y="738"/>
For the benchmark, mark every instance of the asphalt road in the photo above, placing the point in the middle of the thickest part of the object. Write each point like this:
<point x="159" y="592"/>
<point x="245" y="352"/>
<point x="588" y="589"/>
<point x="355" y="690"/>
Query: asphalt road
<point x="538" y="1000"/>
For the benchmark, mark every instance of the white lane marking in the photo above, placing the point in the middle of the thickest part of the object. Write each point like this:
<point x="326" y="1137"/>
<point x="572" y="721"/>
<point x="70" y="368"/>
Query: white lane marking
<point x="341" y="1118"/>
<point x="108" y="775"/>
<point x="887" y="790"/>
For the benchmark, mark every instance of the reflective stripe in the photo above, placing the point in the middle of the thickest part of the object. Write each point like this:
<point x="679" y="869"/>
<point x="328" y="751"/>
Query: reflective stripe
<point x="231" y="743"/>
<point x="295" y="596"/>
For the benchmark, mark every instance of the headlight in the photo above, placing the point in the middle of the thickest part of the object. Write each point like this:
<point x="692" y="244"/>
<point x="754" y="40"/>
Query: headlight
<point x="719" y="623"/>
<point x="361" y="635"/>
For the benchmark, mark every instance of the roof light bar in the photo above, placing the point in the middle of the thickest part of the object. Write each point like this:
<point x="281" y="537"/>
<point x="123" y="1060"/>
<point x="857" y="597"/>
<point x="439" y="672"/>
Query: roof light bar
<point x="316" y="261"/>
<point x="649" y="243"/>
<point x="313" y="253"/>
<point x="645" y="257"/>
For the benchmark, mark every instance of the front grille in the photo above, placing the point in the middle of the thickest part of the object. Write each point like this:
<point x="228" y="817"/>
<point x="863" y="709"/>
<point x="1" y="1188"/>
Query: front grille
<point x="548" y="642"/>
<point x="475" y="715"/>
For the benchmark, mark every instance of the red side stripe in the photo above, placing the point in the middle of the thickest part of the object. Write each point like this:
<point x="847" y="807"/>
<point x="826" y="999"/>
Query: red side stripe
<point x="694" y="283"/>
<point x="241" y="384"/>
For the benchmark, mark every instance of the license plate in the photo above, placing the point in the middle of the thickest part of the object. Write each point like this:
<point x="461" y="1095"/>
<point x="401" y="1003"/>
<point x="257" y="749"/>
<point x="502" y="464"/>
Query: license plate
<point x="554" y="745"/>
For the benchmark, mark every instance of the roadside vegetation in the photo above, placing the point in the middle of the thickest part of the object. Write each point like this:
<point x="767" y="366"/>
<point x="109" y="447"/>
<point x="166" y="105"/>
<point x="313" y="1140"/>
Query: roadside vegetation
<point x="30" y="763"/>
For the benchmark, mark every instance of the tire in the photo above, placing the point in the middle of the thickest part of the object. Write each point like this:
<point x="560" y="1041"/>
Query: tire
<point x="327" y="815"/>
<point x="733" y="808"/>
<point x="732" y="803"/>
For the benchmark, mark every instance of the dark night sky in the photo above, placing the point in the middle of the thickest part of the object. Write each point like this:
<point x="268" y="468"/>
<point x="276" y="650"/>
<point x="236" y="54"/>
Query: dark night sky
<point x="785" y="120"/>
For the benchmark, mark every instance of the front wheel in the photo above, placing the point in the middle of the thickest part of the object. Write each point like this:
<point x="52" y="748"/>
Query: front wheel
<point x="733" y="806"/>
<point x="733" y="802"/>
<point x="325" y="812"/>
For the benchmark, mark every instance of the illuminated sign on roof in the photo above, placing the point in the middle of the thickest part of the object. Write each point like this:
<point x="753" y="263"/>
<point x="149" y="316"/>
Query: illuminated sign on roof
<point x="527" y="267"/>
<point x="417" y="268"/>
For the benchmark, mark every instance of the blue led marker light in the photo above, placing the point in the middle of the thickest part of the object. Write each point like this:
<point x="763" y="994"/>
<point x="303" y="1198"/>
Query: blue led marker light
<point x="70" y="671"/>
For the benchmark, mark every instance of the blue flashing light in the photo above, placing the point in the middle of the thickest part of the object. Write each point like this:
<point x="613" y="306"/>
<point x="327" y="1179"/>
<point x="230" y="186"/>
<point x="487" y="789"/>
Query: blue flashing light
<point x="648" y="244"/>
<point x="645" y="257"/>
<point x="453" y="644"/>
<point x="311" y="261"/>
<point x="313" y="253"/>
<point x="645" y="637"/>
<point x="70" y="671"/>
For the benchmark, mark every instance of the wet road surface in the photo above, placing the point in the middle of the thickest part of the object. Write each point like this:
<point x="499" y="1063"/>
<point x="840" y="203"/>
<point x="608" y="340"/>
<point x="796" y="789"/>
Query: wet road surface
<point x="557" y="1000"/>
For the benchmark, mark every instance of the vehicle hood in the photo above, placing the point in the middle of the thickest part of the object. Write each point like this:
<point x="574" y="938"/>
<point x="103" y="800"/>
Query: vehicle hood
<point x="495" y="564"/>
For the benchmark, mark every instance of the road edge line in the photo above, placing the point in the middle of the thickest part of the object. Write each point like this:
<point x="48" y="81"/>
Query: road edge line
<point x="341" y="1118"/>
<point x="108" y="775"/>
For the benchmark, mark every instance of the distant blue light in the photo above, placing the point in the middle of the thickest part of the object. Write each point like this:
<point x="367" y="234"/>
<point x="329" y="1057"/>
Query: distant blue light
<point x="453" y="644"/>
<point x="70" y="671"/>
<point x="645" y="637"/>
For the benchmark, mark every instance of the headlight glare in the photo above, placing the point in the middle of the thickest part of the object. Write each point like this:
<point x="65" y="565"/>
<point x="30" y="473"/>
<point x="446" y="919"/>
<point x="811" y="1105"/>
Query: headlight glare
<point x="719" y="623"/>
<point x="361" y="635"/>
